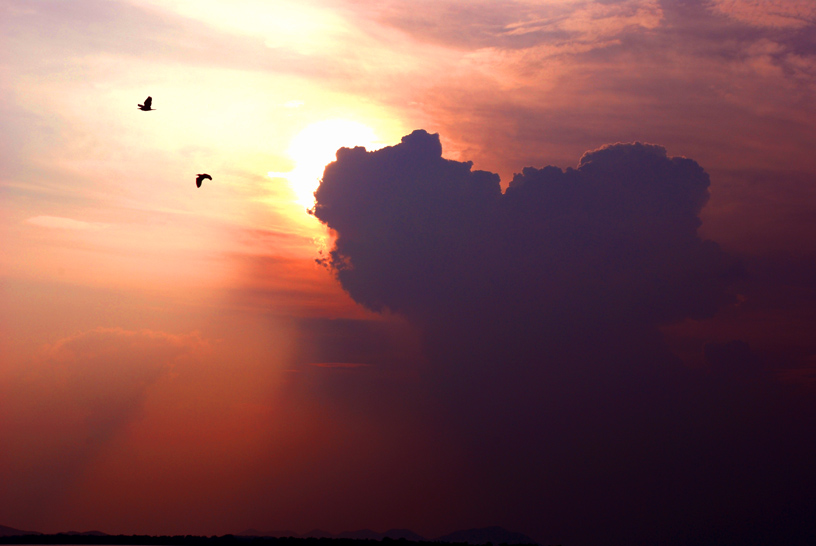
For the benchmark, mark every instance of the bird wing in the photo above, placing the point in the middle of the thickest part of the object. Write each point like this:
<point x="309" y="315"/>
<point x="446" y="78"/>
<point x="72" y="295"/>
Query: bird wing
<point x="148" y="102"/>
<point x="198" y="182"/>
<point x="207" y="176"/>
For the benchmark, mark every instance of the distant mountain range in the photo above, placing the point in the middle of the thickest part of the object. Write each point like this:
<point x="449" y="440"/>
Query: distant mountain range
<point x="495" y="535"/>
<point x="12" y="532"/>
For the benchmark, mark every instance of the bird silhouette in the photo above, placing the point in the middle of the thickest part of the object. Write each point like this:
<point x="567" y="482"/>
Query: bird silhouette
<point x="147" y="105"/>
<point x="200" y="178"/>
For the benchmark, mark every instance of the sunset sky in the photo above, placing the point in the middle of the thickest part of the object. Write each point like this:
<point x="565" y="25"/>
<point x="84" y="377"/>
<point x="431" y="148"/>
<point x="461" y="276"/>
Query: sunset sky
<point x="616" y="350"/>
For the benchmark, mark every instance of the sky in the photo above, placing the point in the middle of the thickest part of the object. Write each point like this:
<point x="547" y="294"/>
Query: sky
<point x="559" y="277"/>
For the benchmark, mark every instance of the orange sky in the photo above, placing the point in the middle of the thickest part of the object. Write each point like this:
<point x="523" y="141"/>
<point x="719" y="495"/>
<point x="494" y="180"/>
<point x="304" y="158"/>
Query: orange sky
<point x="160" y="339"/>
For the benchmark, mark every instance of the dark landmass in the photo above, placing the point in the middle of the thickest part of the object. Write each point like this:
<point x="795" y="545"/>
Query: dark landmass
<point x="315" y="533"/>
<point x="253" y="537"/>
<point x="190" y="540"/>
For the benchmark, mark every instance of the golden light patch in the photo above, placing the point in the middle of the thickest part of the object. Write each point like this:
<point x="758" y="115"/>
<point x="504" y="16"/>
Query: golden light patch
<point x="316" y="146"/>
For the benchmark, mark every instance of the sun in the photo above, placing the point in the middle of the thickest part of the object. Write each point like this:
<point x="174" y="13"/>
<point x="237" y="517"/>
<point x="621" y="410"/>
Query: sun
<point x="315" y="147"/>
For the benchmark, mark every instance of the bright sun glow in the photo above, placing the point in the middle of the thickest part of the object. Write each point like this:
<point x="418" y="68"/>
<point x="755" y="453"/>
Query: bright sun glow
<point x="315" y="147"/>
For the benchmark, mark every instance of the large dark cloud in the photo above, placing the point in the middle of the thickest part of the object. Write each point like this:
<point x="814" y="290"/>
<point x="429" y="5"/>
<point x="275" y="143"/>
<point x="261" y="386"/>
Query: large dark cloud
<point x="615" y="239"/>
<point x="540" y="310"/>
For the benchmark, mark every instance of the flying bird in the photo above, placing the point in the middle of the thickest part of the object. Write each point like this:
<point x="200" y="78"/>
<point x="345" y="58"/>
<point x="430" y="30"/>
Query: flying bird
<point x="147" y="104"/>
<point x="200" y="178"/>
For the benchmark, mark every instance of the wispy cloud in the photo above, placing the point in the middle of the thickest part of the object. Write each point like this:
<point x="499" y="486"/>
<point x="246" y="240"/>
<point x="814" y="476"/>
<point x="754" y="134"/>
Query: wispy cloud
<point x="769" y="13"/>
<point x="60" y="222"/>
